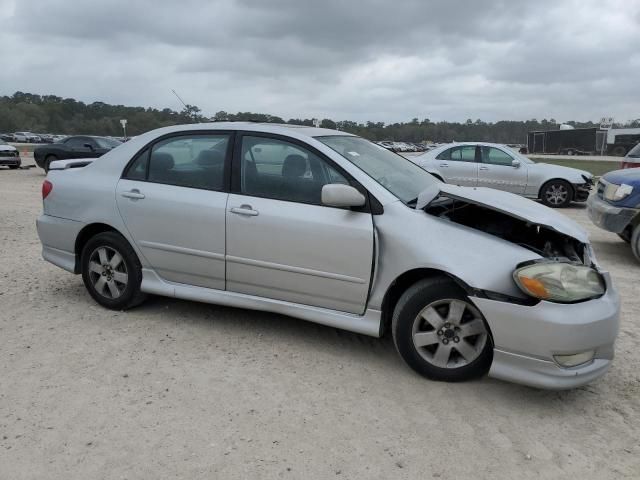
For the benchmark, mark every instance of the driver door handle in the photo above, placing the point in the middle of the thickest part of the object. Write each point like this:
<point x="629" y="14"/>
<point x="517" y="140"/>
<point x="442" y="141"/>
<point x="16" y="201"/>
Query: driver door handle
<point x="245" y="210"/>
<point x="444" y="164"/>
<point x="133" y="194"/>
<point x="484" y="168"/>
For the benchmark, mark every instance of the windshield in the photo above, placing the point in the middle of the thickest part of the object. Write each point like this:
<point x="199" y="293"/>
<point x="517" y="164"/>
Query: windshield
<point x="107" y="142"/>
<point x="634" y="152"/>
<point x="395" y="173"/>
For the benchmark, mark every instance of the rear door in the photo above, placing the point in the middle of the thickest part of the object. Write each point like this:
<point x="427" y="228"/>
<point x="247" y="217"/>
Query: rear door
<point x="172" y="198"/>
<point x="458" y="165"/>
<point x="496" y="171"/>
<point x="282" y="243"/>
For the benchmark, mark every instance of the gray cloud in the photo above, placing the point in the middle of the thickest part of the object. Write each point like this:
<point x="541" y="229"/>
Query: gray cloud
<point x="365" y="60"/>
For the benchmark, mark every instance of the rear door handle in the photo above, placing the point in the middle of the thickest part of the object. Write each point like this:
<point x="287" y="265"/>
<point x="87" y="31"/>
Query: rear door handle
<point x="444" y="164"/>
<point x="133" y="194"/>
<point x="245" y="210"/>
<point x="484" y="168"/>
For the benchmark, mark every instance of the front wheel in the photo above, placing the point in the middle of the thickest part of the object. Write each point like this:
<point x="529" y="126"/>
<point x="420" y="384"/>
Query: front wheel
<point x="111" y="271"/>
<point x="556" y="194"/>
<point x="440" y="334"/>
<point x="47" y="162"/>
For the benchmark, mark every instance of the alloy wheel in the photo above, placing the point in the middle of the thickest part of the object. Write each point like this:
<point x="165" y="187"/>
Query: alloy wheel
<point x="557" y="194"/>
<point x="449" y="333"/>
<point x="108" y="272"/>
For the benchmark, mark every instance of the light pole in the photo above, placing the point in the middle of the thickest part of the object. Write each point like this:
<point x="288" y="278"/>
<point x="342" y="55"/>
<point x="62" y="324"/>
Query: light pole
<point x="123" y="122"/>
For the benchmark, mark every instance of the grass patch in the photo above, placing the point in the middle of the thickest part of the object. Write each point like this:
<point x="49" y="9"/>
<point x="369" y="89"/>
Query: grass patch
<point x="598" y="168"/>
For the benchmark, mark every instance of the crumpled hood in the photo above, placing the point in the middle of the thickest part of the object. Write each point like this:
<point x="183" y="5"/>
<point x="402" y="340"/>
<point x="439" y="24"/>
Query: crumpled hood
<point x="508" y="203"/>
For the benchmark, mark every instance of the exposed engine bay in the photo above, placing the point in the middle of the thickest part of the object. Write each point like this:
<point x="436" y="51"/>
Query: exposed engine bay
<point x="543" y="240"/>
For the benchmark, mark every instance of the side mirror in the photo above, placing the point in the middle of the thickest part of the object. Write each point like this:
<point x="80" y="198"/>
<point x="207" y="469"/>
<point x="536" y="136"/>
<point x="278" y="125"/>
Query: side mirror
<point x="515" y="163"/>
<point x="89" y="146"/>
<point x="340" y="195"/>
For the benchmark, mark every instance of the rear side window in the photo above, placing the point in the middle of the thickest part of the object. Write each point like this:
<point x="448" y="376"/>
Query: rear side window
<point x="195" y="161"/>
<point x="465" y="153"/>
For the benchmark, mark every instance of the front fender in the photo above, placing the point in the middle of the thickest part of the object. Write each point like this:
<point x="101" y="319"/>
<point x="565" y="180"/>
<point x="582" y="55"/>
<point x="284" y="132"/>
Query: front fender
<point x="410" y="239"/>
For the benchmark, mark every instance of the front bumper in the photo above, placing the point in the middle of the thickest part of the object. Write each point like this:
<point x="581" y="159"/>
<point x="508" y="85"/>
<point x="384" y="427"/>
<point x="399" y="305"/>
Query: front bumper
<point x="526" y="338"/>
<point x="609" y="217"/>
<point x="582" y="191"/>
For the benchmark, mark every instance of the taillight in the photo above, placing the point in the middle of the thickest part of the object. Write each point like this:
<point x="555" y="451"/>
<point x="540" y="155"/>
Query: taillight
<point x="47" y="186"/>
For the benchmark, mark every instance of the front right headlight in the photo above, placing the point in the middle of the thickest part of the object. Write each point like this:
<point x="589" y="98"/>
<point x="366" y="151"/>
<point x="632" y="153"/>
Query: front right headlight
<point x="615" y="192"/>
<point x="559" y="281"/>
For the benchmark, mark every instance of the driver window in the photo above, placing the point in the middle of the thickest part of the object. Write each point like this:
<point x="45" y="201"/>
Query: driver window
<point x="495" y="156"/>
<point x="281" y="170"/>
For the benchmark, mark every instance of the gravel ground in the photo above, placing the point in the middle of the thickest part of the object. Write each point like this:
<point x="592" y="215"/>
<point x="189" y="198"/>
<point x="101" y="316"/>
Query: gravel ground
<point x="175" y="389"/>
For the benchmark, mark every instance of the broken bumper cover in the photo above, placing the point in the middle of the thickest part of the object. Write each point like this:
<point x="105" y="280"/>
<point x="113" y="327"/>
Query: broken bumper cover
<point x="609" y="217"/>
<point x="527" y="338"/>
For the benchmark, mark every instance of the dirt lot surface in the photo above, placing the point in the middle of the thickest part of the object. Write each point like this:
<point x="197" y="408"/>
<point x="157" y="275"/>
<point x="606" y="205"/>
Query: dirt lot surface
<point x="175" y="389"/>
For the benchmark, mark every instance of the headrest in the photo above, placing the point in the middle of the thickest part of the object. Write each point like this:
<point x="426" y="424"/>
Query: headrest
<point x="294" y="166"/>
<point x="162" y="161"/>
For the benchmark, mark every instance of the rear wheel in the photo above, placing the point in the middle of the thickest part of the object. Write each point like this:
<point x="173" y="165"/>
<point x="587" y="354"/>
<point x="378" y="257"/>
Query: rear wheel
<point x="556" y="194"/>
<point x="111" y="271"/>
<point x="48" y="160"/>
<point x="14" y="167"/>
<point x="440" y="334"/>
<point x="619" y="151"/>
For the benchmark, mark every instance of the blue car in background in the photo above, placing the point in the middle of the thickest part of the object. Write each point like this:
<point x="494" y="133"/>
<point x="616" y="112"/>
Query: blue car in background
<point x="616" y="205"/>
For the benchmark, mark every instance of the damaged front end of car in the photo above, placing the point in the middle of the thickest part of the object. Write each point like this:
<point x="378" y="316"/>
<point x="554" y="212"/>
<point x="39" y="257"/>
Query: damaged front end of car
<point x="566" y="272"/>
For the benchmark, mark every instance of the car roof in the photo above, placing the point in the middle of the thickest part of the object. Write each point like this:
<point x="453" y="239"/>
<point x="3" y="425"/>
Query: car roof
<point x="283" y="129"/>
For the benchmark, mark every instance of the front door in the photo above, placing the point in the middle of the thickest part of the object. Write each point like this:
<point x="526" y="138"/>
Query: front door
<point x="497" y="171"/>
<point x="173" y="203"/>
<point x="458" y="165"/>
<point x="282" y="243"/>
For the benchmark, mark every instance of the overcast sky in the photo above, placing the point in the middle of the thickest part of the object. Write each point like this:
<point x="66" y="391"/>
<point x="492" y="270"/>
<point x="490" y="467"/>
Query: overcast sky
<point x="379" y="60"/>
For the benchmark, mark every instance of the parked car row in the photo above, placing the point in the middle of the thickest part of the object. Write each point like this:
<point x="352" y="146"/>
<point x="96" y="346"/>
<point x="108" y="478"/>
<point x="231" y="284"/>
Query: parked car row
<point x="73" y="147"/>
<point x="28" y="137"/>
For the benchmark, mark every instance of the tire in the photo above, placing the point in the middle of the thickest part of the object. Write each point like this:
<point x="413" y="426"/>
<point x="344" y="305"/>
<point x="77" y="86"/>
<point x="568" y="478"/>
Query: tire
<point x="635" y="242"/>
<point x="570" y="152"/>
<point x="14" y="167"/>
<point x="556" y="193"/>
<point x="447" y="354"/>
<point x="47" y="161"/>
<point x="626" y="234"/>
<point x="114" y="285"/>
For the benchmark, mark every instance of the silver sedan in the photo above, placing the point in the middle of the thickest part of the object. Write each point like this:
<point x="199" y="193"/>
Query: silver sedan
<point x="331" y="228"/>
<point x="474" y="164"/>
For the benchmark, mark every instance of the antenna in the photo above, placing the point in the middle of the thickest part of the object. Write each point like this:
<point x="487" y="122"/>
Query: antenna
<point x="178" y="96"/>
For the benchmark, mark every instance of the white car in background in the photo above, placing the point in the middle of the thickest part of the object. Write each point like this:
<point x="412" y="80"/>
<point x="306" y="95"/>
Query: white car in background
<point x="476" y="164"/>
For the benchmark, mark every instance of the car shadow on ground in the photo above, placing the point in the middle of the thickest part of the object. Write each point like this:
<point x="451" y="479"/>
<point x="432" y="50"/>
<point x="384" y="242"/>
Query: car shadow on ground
<point x="378" y="354"/>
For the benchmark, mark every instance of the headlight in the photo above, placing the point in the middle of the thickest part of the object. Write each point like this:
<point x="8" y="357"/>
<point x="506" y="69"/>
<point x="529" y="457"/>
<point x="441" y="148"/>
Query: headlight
<point x="559" y="282"/>
<point x="617" y="192"/>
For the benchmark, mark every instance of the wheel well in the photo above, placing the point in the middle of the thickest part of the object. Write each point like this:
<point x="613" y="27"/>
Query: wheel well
<point x="85" y="234"/>
<point x="402" y="283"/>
<point x="571" y="189"/>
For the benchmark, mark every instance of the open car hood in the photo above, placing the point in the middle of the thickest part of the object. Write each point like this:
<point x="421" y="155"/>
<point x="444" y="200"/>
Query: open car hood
<point x="506" y="203"/>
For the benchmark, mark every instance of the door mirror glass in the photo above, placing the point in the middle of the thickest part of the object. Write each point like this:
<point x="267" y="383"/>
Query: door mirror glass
<point x="515" y="163"/>
<point x="340" y="195"/>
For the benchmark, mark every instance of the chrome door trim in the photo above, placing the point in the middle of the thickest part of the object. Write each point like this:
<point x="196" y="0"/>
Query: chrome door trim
<point x="289" y="268"/>
<point x="184" y="250"/>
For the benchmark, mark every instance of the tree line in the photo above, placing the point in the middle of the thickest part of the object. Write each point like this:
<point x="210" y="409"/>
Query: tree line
<point x="52" y="114"/>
